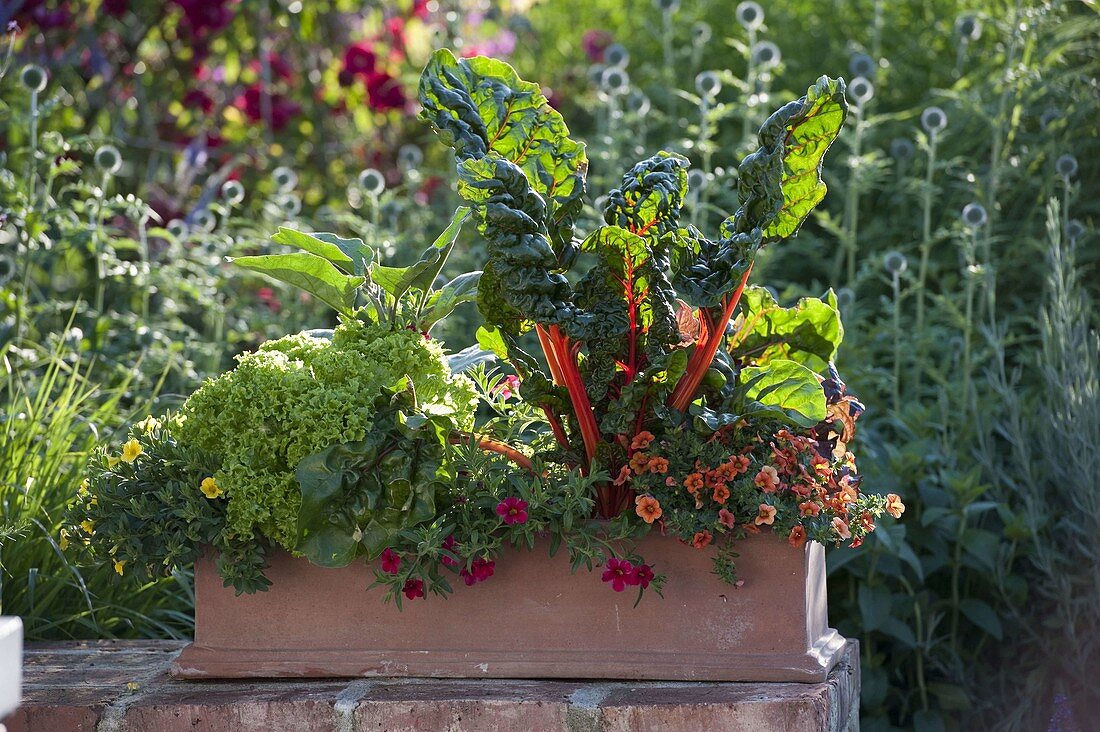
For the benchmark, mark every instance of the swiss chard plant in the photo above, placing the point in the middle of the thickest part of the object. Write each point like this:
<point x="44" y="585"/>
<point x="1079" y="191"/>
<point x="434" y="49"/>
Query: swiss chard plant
<point x="635" y="340"/>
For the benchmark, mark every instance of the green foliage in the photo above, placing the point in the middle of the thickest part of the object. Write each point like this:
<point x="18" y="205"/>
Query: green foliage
<point x="297" y="396"/>
<point x="810" y="332"/>
<point x="356" y="496"/>
<point x="51" y="419"/>
<point x="149" y="517"/>
<point x="784" y="390"/>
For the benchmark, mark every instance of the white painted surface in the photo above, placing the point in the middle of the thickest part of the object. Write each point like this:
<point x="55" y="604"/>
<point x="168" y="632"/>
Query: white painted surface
<point x="11" y="664"/>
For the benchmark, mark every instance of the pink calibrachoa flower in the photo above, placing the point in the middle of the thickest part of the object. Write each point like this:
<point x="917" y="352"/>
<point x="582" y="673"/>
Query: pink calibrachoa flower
<point x="767" y="479"/>
<point x="726" y="518"/>
<point x="894" y="506"/>
<point x="508" y="387"/>
<point x="391" y="563"/>
<point x="413" y="589"/>
<point x="641" y="440"/>
<point x="620" y="573"/>
<point x="840" y="526"/>
<point x="645" y="575"/>
<point x="623" y="476"/>
<point x="512" y="510"/>
<point x="701" y="539"/>
<point x="797" y="537"/>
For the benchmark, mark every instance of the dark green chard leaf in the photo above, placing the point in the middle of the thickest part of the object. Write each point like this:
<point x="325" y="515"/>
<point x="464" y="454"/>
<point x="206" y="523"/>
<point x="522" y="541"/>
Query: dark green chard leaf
<point x="443" y="301"/>
<point x="316" y="275"/>
<point x="809" y="333"/>
<point x="357" y="496"/>
<point x="705" y="271"/>
<point x="480" y="106"/>
<point x="625" y="309"/>
<point x="780" y="183"/>
<point x="651" y="196"/>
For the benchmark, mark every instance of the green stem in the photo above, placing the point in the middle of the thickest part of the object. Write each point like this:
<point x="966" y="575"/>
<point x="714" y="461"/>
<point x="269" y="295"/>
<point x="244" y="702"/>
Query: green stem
<point x="896" y="282"/>
<point x="956" y="565"/>
<point x="922" y="687"/>
<point x="926" y="232"/>
<point x="750" y="84"/>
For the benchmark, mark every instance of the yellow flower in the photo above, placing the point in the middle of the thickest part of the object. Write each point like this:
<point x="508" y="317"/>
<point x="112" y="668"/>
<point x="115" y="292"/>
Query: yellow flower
<point x="210" y="488"/>
<point x="148" y="424"/>
<point x="112" y="461"/>
<point x="131" y="450"/>
<point x="63" y="541"/>
<point x="119" y="564"/>
<point x="83" y="489"/>
<point x="94" y="501"/>
<point x="88" y="526"/>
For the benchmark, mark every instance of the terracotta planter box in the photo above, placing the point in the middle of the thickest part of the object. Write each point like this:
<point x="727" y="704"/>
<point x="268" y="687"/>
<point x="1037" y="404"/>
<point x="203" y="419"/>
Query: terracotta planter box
<point x="532" y="619"/>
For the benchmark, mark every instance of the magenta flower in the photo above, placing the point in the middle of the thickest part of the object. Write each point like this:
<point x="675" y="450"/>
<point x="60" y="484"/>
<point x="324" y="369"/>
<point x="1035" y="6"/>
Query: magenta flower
<point x="620" y="573"/>
<point x="384" y="92"/>
<point x="391" y="563"/>
<point x="481" y="570"/>
<point x="413" y="589"/>
<point x="449" y="544"/>
<point x="645" y="575"/>
<point x="512" y="510"/>
<point x="594" y="43"/>
<point x="359" y="58"/>
<point x="508" y="387"/>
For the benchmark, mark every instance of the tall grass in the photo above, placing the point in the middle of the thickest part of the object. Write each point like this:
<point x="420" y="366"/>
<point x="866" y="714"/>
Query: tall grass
<point x="50" y="419"/>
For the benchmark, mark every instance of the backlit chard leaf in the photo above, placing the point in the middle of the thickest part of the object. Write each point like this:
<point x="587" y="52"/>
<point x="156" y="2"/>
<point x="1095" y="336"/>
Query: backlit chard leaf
<point x="626" y="309"/>
<point x="780" y="183"/>
<point x="310" y="272"/>
<point x="782" y="390"/>
<point x="480" y="106"/>
<point x="651" y="196"/>
<point x="809" y="333"/>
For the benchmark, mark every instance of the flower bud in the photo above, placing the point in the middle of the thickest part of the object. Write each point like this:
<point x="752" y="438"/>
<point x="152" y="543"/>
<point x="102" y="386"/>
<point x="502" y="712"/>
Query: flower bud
<point x="34" y="77"/>
<point x="108" y="159"/>
<point x="372" y="182"/>
<point x="750" y="15"/>
<point x="933" y="120"/>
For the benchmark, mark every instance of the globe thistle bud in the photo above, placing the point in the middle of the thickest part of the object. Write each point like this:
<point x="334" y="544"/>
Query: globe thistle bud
<point x="108" y="159"/>
<point x="204" y="220"/>
<point x="615" y="80"/>
<point x="1066" y="166"/>
<point x="862" y="65"/>
<point x="289" y="204"/>
<point x="697" y="180"/>
<point x="901" y="148"/>
<point x="974" y="215"/>
<point x="895" y="263"/>
<point x="178" y="228"/>
<point x="34" y="77"/>
<point x="708" y="84"/>
<point x="968" y="27"/>
<point x="616" y="55"/>
<point x="232" y="192"/>
<point x="409" y="157"/>
<point x="667" y="6"/>
<point x="701" y="33"/>
<point x="372" y="182"/>
<point x="285" y="179"/>
<point x="861" y="91"/>
<point x="637" y="102"/>
<point x="845" y="298"/>
<point x="1074" y="229"/>
<point x="933" y="120"/>
<point x="750" y="15"/>
<point x="766" y="55"/>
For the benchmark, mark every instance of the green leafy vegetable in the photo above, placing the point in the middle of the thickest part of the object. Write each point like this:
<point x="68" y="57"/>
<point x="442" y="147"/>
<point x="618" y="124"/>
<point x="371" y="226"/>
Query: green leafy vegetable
<point x="809" y="333"/>
<point x="316" y="275"/>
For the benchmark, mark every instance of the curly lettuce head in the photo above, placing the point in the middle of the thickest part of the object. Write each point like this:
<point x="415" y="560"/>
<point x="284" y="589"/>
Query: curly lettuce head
<point x="298" y="395"/>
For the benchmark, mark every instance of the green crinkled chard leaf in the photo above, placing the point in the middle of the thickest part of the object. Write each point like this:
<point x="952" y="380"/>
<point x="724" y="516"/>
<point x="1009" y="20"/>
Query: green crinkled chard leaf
<point x="357" y="496"/>
<point x="626" y="308"/>
<point x="783" y="390"/>
<point x="651" y="195"/>
<point x="314" y="274"/>
<point x="780" y="183"/>
<point x="705" y="271"/>
<point x="480" y="105"/>
<point x="809" y="333"/>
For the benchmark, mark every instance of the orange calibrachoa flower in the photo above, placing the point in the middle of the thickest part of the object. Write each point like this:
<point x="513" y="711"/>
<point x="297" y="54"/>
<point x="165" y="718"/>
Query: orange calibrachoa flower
<point x="821" y="466"/>
<point x="623" y="477"/>
<point x="701" y="539"/>
<point x="809" y="508"/>
<point x="648" y="508"/>
<point x="721" y="493"/>
<point x="726" y="518"/>
<point x="797" y="537"/>
<point x="639" y="463"/>
<point x="894" y="506"/>
<point x="658" y="465"/>
<point x="766" y="515"/>
<point x="840" y="526"/>
<point x="693" y="482"/>
<point x="767" y="479"/>
<point x="641" y="440"/>
<point x="867" y="521"/>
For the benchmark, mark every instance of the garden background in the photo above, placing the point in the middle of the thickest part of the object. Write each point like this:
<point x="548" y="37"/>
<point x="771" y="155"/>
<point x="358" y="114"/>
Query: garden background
<point x="144" y="142"/>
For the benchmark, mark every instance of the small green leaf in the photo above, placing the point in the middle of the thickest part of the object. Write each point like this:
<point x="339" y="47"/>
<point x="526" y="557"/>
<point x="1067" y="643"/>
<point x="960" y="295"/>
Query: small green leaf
<point x="444" y="300"/>
<point x="983" y="616"/>
<point x="307" y="271"/>
<point x="323" y="245"/>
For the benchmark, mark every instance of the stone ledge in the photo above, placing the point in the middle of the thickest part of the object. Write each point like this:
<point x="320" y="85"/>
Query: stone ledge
<point x="119" y="686"/>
